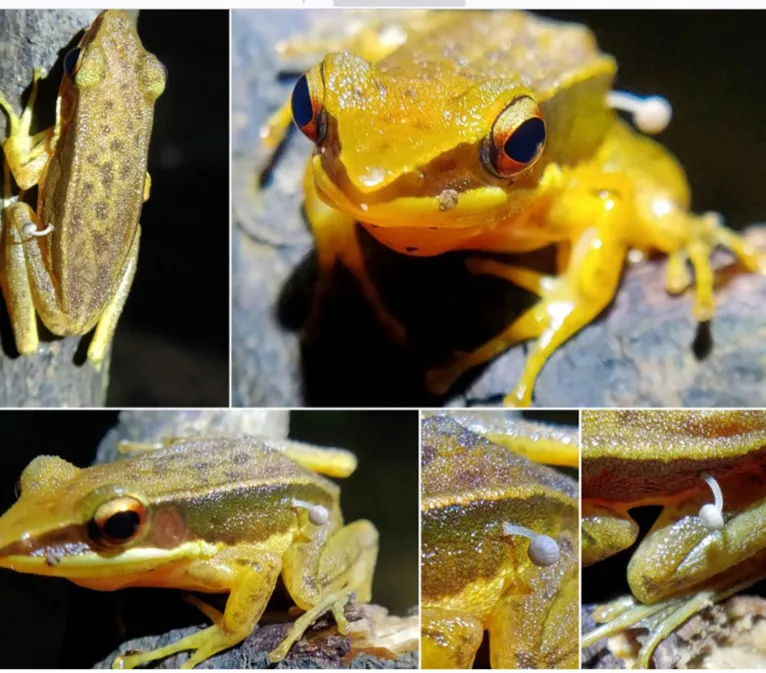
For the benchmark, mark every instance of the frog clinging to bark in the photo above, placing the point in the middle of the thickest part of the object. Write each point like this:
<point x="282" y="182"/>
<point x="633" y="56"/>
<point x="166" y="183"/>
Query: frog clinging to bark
<point x="497" y="132"/>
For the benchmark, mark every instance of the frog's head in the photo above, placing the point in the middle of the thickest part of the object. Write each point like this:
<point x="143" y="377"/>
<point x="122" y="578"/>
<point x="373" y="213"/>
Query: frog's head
<point x="393" y="149"/>
<point x="68" y="523"/>
<point x="110" y="48"/>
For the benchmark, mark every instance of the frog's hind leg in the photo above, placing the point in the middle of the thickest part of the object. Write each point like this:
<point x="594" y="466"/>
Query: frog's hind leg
<point x="336" y="239"/>
<point x="449" y="639"/>
<point x="102" y="338"/>
<point x="701" y="235"/>
<point x="327" y="580"/>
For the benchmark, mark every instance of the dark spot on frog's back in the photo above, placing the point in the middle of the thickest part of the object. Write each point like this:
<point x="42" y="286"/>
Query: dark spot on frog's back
<point x="108" y="104"/>
<point x="242" y="458"/>
<point x="125" y="170"/>
<point x="116" y="145"/>
<point x="102" y="210"/>
<point x="92" y="158"/>
<point x="106" y="129"/>
<point x="107" y="175"/>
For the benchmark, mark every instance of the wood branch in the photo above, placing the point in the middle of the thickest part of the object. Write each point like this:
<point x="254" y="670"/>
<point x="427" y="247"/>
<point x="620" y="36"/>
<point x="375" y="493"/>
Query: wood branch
<point x="58" y="374"/>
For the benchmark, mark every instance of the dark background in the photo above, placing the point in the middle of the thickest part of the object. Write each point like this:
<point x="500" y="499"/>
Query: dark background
<point x="172" y="344"/>
<point x="171" y="347"/>
<point x="49" y="622"/>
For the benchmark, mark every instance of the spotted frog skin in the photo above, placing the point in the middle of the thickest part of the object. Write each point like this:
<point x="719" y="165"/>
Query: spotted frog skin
<point x="494" y="132"/>
<point x="72" y="259"/>
<point x="213" y="515"/>
<point x="684" y="563"/>
<point x="484" y="509"/>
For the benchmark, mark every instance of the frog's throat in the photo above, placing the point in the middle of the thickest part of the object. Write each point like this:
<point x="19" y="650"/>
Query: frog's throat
<point x="94" y="564"/>
<point x="408" y="210"/>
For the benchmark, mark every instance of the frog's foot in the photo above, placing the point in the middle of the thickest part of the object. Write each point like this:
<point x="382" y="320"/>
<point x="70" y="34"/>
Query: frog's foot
<point x="706" y="234"/>
<point x="26" y="154"/>
<point x="204" y="643"/>
<point x="336" y="602"/>
<point x="660" y="619"/>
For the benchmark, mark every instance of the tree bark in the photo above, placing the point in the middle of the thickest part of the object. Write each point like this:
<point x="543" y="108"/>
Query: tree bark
<point x="58" y="374"/>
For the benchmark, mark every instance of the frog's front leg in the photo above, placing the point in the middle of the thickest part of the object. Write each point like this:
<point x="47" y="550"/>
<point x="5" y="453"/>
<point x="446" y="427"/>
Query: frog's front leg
<point x="449" y="639"/>
<point x="27" y="154"/>
<point x="595" y="212"/>
<point x="327" y="572"/>
<point x="335" y="234"/>
<point x="102" y="338"/>
<point x="250" y="575"/>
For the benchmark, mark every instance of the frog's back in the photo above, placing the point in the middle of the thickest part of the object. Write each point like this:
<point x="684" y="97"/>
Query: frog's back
<point x="470" y="488"/>
<point x="95" y="179"/>
<point x="559" y="62"/>
<point x="629" y="455"/>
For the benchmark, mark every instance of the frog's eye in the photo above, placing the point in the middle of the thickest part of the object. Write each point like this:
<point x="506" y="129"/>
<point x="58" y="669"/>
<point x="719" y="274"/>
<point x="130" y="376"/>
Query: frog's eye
<point x="117" y="522"/>
<point x="517" y="138"/>
<point x="71" y="61"/>
<point x="307" y="108"/>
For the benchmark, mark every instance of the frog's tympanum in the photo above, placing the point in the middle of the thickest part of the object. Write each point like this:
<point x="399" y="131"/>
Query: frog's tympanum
<point x="72" y="260"/>
<point x="499" y="554"/>
<point x="497" y="132"/>
<point x="707" y="469"/>
<point x="208" y="515"/>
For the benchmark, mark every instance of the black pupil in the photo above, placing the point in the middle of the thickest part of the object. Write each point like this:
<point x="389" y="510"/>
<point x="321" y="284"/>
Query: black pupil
<point x="70" y="61"/>
<point x="122" y="526"/>
<point x="303" y="110"/>
<point x="525" y="141"/>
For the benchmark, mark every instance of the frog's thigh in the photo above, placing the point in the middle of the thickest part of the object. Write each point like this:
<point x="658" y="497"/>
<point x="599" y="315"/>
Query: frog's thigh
<point x="326" y="576"/>
<point x="568" y="302"/>
<point x="538" y="628"/>
<point x="102" y="338"/>
<point x="336" y="239"/>
<point x="19" y="298"/>
<point x="27" y="155"/>
<point x="250" y="575"/>
<point x="449" y="639"/>
<point x="605" y="532"/>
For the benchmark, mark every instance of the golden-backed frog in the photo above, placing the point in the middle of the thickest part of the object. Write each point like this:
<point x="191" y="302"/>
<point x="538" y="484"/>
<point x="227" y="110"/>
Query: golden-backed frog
<point x="707" y="469"/>
<point x="499" y="554"/>
<point x="72" y="259"/>
<point x="496" y="131"/>
<point x="222" y="515"/>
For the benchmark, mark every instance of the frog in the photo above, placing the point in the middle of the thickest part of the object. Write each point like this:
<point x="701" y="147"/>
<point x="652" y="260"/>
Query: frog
<point x="697" y="552"/>
<point x="72" y="259"/>
<point x="205" y="514"/>
<point x="497" y="132"/>
<point x="499" y="553"/>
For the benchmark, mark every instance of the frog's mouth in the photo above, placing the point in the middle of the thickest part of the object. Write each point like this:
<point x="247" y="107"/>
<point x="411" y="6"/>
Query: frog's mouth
<point x="84" y="562"/>
<point x="449" y="208"/>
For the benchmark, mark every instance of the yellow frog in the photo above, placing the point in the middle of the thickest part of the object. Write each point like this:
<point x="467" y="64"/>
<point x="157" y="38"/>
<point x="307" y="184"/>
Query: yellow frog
<point x="72" y="260"/>
<point x="221" y="515"/>
<point x="497" y="132"/>
<point x="707" y="469"/>
<point x="499" y="550"/>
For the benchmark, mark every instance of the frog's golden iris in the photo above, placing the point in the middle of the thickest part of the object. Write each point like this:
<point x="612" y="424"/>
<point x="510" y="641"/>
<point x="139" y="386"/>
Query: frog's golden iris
<point x="117" y="522"/>
<point x="516" y="140"/>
